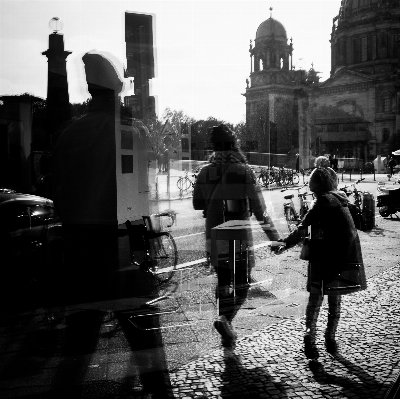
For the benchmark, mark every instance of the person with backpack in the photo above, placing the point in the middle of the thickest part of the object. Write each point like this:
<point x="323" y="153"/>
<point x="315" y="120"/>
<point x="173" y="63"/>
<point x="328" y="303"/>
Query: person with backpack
<point x="226" y="190"/>
<point x="335" y="259"/>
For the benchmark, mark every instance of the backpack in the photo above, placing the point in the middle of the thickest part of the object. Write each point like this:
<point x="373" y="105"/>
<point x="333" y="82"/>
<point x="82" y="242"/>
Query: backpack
<point x="357" y="216"/>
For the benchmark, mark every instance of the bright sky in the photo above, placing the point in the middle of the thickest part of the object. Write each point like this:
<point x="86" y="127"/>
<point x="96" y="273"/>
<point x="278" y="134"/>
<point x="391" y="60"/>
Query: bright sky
<point x="201" y="46"/>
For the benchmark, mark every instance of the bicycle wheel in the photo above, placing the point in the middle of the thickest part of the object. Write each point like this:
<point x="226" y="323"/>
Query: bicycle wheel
<point x="291" y="219"/>
<point x="184" y="183"/>
<point x="163" y="258"/>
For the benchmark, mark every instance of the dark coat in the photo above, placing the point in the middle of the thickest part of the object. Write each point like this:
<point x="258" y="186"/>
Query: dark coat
<point x="336" y="265"/>
<point x="84" y="177"/>
<point x="229" y="180"/>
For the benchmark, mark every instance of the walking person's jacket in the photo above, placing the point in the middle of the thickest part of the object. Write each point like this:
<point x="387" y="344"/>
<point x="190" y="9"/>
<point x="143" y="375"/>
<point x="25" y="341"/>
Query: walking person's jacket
<point x="227" y="179"/>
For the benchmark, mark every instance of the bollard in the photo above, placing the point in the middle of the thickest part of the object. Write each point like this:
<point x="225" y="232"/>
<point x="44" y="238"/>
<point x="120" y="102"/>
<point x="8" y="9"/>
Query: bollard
<point x="368" y="210"/>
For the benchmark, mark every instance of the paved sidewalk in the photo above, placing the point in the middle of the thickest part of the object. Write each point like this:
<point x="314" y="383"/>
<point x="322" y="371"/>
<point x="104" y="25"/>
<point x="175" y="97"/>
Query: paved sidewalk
<point x="270" y="363"/>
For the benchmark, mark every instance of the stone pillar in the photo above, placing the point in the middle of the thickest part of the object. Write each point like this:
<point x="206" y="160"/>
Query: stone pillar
<point x="304" y="127"/>
<point x="286" y="61"/>
<point x="256" y="63"/>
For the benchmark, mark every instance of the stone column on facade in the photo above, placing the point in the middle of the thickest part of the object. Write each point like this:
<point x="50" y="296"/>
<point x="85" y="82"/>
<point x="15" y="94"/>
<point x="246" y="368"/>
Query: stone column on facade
<point x="304" y="125"/>
<point x="268" y="59"/>
<point x="278" y="60"/>
<point x="256" y="63"/>
<point x="271" y="102"/>
<point x="286" y="61"/>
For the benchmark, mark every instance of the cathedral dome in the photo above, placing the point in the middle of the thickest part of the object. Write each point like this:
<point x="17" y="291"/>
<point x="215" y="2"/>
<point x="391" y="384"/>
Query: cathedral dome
<point x="271" y="28"/>
<point x="356" y="6"/>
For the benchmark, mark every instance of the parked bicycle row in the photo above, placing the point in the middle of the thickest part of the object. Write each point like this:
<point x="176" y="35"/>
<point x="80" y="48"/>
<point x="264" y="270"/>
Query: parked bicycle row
<point x="266" y="176"/>
<point x="362" y="206"/>
<point x="280" y="176"/>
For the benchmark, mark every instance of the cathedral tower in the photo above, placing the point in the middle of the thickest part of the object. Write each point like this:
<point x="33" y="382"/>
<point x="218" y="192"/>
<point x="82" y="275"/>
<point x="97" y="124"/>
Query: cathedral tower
<point x="274" y="96"/>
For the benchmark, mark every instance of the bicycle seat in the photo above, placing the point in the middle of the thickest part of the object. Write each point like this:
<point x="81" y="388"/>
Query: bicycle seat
<point x="288" y="197"/>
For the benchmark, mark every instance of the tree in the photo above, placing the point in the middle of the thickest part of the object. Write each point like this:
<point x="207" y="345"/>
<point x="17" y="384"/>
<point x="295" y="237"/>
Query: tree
<point x="178" y="121"/>
<point x="79" y="109"/>
<point x="200" y="136"/>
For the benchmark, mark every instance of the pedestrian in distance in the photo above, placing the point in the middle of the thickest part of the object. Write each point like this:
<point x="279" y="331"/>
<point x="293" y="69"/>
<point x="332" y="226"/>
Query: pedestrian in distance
<point x="322" y="161"/>
<point x="297" y="163"/>
<point x="335" y="163"/>
<point x="226" y="190"/>
<point x="165" y="160"/>
<point x="392" y="164"/>
<point x="330" y="161"/>
<point x="159" y="161"/>
<point x="335" y="263"/>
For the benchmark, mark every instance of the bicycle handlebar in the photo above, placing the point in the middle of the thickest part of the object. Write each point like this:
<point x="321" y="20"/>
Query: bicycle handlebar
<point x="298" y="189"/>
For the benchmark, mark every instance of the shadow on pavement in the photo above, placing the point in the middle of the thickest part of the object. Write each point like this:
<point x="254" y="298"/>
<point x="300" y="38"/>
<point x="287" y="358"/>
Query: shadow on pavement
<point x="240" y="382"/>
<point x="367" y="387"/>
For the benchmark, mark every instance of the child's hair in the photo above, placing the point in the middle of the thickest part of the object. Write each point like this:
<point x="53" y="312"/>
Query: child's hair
<point x="323" y="180"/>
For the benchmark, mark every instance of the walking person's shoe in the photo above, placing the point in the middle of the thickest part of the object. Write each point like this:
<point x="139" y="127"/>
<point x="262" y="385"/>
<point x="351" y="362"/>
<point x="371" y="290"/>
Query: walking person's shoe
<point x="310" y="347"/>
<point x="224" y="328"/>
<point x="330" y="343"/>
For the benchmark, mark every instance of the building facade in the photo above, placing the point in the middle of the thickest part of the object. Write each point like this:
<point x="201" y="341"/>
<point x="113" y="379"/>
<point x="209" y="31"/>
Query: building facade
<point x="353" y="113"/>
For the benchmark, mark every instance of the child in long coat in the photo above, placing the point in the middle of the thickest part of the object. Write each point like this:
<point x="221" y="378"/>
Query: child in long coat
<point x="335" y="262"/>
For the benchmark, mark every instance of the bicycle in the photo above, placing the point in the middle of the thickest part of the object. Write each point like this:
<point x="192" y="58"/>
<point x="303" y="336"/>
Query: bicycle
<point x="160" y="255"/>
<point x="361" y="216"/>
<point x="184" y="182"/>
<point x="293" y="218"/>
<point x="289" y="176"/>
<point x="357" y="194"/>
<point x="264" y="177"/>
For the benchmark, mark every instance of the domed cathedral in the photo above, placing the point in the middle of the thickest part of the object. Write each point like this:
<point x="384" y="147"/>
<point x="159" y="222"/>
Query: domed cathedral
<point x="352" y="114"/>
<point x="277" y="111"/>
<point x="355" y="114"/>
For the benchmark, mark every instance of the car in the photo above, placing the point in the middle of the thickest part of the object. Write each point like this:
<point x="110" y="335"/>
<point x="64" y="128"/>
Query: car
<point x="30" y="241"/>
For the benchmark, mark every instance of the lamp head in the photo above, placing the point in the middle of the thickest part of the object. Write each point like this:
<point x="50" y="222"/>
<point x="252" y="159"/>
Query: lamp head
<point x="56" y="25"/>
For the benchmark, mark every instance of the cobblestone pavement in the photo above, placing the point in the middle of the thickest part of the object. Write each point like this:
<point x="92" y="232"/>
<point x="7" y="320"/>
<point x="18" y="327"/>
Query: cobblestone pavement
<point x="270" y="363"/>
